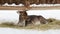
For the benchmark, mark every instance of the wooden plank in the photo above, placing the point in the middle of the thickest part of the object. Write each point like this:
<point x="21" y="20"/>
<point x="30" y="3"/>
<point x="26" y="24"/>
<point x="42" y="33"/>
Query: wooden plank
<point x="46" y="8"/>
<point x="31" y="8"/>
<point x="11" y="8"/>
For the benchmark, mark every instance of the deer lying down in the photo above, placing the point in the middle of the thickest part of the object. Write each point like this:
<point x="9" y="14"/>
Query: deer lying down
<point x="25" y="19"/>
<point x="36" y="20"/>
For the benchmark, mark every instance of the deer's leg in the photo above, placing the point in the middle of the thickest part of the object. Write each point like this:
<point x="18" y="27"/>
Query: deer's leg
<point x="23" y="23"/>
<point x="20" y="21"/>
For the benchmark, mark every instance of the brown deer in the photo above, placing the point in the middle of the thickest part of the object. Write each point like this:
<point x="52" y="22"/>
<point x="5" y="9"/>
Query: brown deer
<point x="22" y="18"/>
<point x="25" y="19"/>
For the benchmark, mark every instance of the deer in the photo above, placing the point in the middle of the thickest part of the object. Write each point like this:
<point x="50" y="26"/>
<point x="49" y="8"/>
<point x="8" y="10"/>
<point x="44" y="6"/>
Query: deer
<point x="25" y="19"/>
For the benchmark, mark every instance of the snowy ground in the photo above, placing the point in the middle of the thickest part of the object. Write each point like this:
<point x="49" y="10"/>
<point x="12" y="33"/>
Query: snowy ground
<point x="6" y="4"/>
<point x="22" y="31"/>
<point x="11" y="15"/>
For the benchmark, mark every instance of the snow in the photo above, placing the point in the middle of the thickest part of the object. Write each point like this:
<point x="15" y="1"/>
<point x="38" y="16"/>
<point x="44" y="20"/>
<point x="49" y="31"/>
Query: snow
<point x="23" y="31"/>
<point x="6" y="4"/>
<point x="12" y="16"/>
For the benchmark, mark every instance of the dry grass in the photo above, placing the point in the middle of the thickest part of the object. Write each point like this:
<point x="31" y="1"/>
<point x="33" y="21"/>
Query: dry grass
<point x="53" y="24"/>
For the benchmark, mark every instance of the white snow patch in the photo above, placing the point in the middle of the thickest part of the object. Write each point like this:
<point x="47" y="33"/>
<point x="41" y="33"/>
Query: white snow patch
<point x="23" y="31"/>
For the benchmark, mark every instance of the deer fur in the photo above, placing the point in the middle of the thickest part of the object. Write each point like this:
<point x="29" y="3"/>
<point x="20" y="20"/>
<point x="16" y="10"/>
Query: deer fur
<point x="25" y="19"/>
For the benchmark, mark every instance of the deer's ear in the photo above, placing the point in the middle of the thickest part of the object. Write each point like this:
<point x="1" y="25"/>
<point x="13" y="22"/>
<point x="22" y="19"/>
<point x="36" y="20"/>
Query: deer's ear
<point x="18" y="12"/>
<point x="21" y="11"/>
